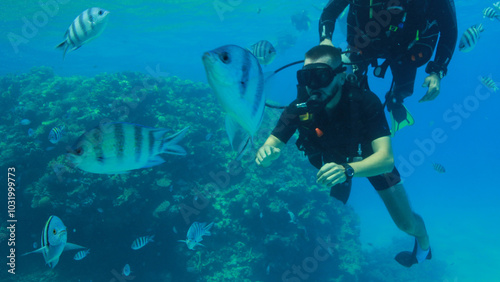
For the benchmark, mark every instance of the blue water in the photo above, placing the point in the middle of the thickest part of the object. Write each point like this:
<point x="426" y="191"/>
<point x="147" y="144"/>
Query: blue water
<point x="168" y="38"/>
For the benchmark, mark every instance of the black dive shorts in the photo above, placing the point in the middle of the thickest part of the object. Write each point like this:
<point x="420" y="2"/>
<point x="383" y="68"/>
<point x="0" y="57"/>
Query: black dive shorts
<point x="383" y="181"/>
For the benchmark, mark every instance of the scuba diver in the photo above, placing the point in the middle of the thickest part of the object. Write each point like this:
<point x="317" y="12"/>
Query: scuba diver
<point x="404" y="33"/>
<point x="344" y="133"/>
<point x="301" y="21"/>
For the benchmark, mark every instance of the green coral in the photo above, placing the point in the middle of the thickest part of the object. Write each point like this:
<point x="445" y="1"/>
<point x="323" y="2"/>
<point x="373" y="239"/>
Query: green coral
<point x="164" y="182"/>
<point x="129" y="194"/>
<point x="161" y="209"/>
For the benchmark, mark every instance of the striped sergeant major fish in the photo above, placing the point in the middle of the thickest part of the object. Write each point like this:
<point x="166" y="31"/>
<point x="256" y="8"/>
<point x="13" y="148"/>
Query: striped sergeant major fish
<point x="470" y="38"/>
<point x="497" y="6"/>
<point x="236" y="77"/>
<point x="490" y="13"/>
<point x="118" y="147"/>
<point x="55" y="134"/>
<point x="87" y="26"/>
<point x="264" y="52"/>
<point x="54" y="241"/>
<point x="438" y="167"/>
<point x="81" y="254"/>
<point x="141" y="242"/>
<point x="195" y="234"/>
<point x="488" y="82"/>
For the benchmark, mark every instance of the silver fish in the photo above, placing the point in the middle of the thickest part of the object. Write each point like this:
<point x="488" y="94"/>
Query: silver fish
<point x="195" y="234"/>
<point x="236" y="77"/>
<point x="141" y="242"/>
<point x="490" y="13"/>
<point x="264" y="51"/>
<point x="81" y="254"/>
<point x="54" y="241"/>
<point x="470" y="38"/>
<point x="126" y="270"/>
<point x="87" y="26"/>
<point x="488" y="82"/>
<point x="120" y="147"/>
<point x="293" y="219"/>
<point x="55" y="134"/>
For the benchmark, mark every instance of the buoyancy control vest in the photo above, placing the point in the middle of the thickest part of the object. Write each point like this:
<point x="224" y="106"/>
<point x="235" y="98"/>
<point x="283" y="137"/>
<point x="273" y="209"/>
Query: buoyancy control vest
<point x="318" y="136"/>
<point x="380" y="25"/>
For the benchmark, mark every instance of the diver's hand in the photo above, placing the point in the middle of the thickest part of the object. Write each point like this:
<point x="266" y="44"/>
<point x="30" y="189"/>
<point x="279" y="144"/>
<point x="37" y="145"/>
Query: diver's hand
<point x="433" y="82"/>
<point x="331" y="174"/>
<point x="327" y="41"/>
<point x="266" y="154"/>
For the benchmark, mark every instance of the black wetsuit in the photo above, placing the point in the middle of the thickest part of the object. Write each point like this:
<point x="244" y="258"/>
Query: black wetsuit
<point x="357" y="120"/>
<point x="404" y="32"/>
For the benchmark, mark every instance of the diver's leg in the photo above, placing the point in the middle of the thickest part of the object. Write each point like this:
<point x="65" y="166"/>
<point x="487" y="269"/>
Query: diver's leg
<point x="397" y="204"/>
<point x="404" y="79"/>
<point x="402" y="87"/>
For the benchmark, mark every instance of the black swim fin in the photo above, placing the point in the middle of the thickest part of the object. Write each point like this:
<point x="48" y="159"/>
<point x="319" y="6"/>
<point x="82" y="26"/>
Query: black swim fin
<point x="408" y="259"/>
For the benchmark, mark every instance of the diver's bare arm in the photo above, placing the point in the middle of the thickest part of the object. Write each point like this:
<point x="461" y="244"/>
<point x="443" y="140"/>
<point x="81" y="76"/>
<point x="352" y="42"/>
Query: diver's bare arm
<point x="274" y="141"/>
<point x="269" y="151"/>
<point x="381" y="161"/>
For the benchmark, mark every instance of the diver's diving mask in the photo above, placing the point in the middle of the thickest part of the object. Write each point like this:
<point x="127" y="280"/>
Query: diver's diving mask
<point x="317" y="75"/>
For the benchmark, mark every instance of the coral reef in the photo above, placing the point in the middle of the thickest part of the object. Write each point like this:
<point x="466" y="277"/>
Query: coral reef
<point x="254" y="237"/>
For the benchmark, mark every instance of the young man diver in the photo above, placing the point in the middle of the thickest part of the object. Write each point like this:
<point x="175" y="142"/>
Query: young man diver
<point x="344" y="133"/>
<point x="405" y="34"/>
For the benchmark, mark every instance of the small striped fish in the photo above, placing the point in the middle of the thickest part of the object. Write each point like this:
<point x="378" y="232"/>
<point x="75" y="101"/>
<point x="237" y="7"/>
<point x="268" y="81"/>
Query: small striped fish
<point x="470" y="38"/>
<point x="237" y="80"/>
<point x="54" y="241"/>
<point x="81" y="254"/>
<point x="87" y="26"/>
<point x="119" y="147"/>
<point x="490" y="13"/>
<point x="264" y="52"/>
<point x="195" y="234"/>
<point x="488" y="82"/>
<point x="141" y="242"/>
<point x="438" y="167"/>
<point x="55" y="134"/>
